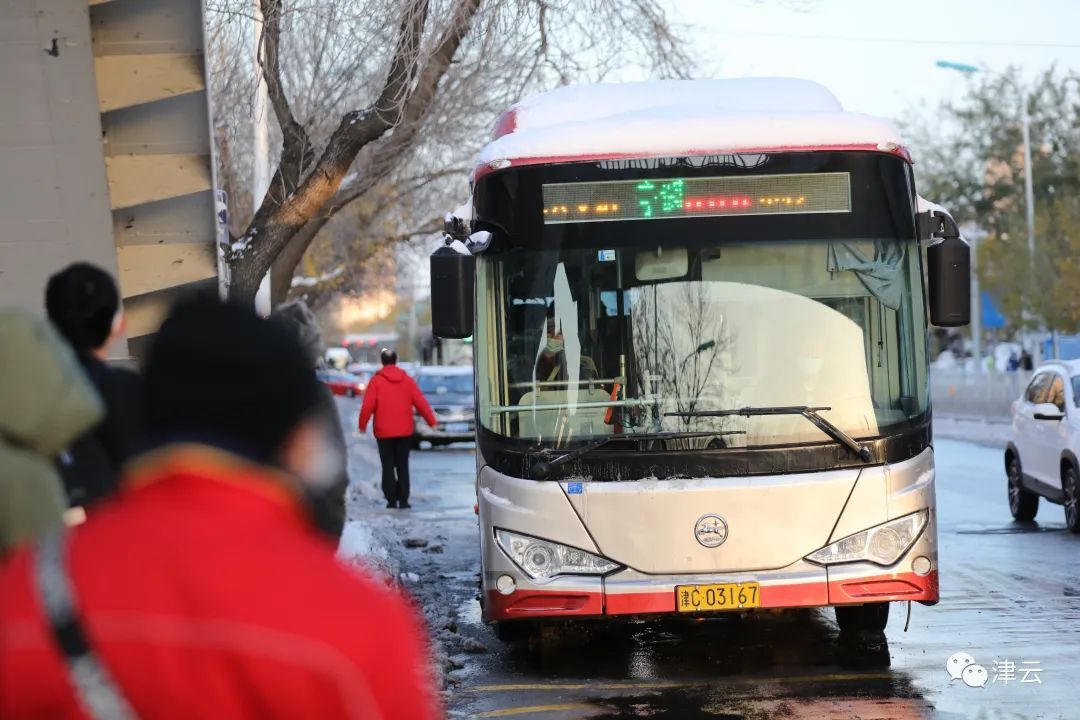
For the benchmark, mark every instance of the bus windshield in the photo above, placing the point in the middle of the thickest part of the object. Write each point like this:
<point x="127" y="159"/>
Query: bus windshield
<point x="592" y="341"/>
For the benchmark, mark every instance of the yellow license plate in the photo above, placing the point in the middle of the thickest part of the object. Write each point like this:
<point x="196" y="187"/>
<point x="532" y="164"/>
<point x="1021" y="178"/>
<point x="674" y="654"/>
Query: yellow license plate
<point x="725" y="596"/>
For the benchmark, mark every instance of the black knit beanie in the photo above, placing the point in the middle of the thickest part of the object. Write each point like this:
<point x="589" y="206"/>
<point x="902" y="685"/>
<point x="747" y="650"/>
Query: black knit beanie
<point x="219" y="374"/>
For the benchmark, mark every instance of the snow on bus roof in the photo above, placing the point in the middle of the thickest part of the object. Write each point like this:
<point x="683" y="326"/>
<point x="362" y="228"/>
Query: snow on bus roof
<point x="672" y="117"/>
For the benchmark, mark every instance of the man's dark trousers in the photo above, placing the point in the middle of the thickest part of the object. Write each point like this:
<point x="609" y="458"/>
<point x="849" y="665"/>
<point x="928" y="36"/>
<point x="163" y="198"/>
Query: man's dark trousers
<point x="394" y="454"/>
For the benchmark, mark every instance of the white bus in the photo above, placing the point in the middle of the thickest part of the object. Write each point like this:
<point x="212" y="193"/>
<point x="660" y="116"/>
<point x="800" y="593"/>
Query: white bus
<point x="699" y="321"/>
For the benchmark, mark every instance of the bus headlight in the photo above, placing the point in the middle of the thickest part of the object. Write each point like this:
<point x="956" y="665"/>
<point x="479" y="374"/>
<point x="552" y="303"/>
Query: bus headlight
<point x="883" y="544"/>
<point x="541" y="559"/>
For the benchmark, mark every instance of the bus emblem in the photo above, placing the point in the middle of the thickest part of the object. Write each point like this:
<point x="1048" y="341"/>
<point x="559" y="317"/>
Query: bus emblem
<point x="711" y="530"/>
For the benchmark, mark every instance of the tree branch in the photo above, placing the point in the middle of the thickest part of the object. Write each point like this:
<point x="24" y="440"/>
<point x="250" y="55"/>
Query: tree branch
<point x="389" y="151"/>
<point x="296" y="149"/>
<point x="275" y="223"/>
<point x="353" y="191"/>
<point x="312" y="294"/>
<point x="432" y="88"/>
<point x="407" y="116"/>
<point x="286" y="262"/>
<point x="357" y="129"/>
<point x="403" y="64"/>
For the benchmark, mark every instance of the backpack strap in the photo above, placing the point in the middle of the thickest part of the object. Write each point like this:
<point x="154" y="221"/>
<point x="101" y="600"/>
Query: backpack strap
<point x="95" y="689"/>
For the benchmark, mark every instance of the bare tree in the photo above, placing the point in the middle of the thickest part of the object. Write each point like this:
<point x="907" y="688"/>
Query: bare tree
<point x="680" y="340"/>
<point x="708" y="339"/>
<point x="305" y="182"/>
<point x="432" y="93"/>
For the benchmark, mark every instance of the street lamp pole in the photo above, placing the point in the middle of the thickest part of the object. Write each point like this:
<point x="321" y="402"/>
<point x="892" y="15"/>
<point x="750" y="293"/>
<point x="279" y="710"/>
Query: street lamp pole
<point x="1029" y="191"/>
<point x="1029" y="205"/>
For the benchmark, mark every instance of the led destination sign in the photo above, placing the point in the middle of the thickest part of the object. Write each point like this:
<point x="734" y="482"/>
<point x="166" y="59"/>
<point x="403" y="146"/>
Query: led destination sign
<point x="658" y="199"/>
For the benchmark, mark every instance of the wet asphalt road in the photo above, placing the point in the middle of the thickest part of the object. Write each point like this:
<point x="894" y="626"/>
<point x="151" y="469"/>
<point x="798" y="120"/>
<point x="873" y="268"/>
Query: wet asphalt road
<point x="1009" y="593"/>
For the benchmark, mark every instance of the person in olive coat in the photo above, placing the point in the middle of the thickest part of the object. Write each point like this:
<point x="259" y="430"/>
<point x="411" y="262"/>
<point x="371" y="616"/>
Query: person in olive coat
<point x="46" y="402"/>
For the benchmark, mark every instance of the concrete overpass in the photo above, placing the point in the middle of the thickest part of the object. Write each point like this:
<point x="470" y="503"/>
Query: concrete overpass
<point x="106" y="150"/>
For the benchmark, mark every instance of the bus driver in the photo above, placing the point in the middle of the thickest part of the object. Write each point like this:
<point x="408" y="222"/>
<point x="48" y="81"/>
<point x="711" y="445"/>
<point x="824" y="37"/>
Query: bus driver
<point x="551" y="361"/>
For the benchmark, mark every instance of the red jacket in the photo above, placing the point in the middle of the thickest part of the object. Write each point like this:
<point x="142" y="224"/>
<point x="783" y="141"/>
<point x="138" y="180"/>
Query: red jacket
<point x="206" y="592"/>
<point x="391" y="396"/>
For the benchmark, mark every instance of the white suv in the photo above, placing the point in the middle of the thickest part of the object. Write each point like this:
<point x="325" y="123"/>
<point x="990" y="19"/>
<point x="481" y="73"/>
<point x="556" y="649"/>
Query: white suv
<point x="1041" y="460"/>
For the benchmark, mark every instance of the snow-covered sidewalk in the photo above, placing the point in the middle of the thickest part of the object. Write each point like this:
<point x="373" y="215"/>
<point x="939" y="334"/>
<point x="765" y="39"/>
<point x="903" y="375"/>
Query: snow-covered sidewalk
<point x="414" y="549"/>
<point x="369" y="537"/>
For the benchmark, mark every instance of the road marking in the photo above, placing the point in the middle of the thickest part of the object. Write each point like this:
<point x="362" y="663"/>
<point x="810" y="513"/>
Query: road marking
<point x="660" y="685"/>
<point x="534" y="709"/>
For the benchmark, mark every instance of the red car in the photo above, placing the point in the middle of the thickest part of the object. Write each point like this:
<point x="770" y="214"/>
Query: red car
<point x="342" y="383"/>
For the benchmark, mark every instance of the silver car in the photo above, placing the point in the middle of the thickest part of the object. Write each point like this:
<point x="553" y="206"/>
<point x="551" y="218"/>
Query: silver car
<point x="449" y="390"/>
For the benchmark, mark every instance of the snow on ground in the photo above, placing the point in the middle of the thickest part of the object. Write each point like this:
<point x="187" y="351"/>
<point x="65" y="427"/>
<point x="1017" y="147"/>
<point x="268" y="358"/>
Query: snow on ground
<point x="359" y="547"/>
<point x="400" y="547"/>
<point x="370" y="537"/>
<point x="683" y="117"/>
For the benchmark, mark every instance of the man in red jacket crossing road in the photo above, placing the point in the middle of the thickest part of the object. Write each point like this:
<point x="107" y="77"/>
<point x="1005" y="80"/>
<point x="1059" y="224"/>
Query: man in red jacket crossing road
<point x="391" y="397"/>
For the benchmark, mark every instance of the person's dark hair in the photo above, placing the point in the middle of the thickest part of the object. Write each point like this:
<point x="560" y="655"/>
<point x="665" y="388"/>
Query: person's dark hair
<point x="219" y="374"/>
<point x="82" y="301"/>
<point x="388" y="357"/>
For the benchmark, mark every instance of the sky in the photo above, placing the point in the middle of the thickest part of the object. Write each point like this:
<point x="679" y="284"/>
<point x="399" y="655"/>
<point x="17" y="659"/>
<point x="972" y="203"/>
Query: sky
<point x="878" y="56"/>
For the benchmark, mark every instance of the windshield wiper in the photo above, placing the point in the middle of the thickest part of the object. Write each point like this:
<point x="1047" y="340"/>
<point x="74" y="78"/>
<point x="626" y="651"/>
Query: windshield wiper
<point x="810" y="413"/>
<point x="542" y="469"/>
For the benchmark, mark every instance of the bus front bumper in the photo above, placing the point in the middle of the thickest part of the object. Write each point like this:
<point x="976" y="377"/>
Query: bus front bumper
<point x="628" y="593"/>
<point x="549" y="511"/>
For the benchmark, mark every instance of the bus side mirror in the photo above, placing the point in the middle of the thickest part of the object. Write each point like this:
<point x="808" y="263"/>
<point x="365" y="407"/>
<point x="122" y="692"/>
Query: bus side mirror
<point x="452" y="279"/>
<point x="948" y="270"/>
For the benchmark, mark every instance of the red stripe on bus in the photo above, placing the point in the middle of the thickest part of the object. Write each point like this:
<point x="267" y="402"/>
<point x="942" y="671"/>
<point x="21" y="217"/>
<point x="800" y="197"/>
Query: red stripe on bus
<point x="846" y="591"/>
<point x="542" y="603"/>
<point x="897" y="586"/>
<point x="772" y="596"/>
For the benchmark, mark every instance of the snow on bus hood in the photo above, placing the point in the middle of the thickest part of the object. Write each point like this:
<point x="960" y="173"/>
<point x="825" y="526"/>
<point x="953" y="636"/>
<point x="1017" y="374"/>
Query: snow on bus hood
<point x="682" y="116"/>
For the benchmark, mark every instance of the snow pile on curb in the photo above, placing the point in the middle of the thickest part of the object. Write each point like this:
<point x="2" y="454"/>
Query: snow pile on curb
<point x="399" y="549"/>
<point x="369" y="545"/>
<point x="360" y="549"/>
<point x="369" y="536"/>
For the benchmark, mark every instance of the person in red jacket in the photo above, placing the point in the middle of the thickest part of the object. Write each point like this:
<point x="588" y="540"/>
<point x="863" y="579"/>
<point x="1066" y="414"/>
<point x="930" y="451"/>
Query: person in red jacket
<point x="203" y="588"/>
<point x="391" y="396"/>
